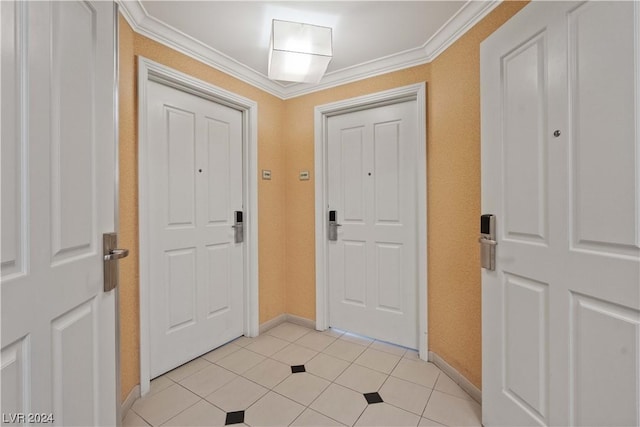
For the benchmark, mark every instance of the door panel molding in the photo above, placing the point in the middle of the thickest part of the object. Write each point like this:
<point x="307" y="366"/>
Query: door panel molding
<point x="150" y="71"/>
<point x="416" y="92"/>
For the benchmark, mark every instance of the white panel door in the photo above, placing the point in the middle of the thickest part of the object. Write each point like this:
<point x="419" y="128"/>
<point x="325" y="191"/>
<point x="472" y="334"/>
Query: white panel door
<point x="561" y="172"/>
<point x="372" y="186"/>
<point x="195" y="186"/>
<point x="58" y="194"/>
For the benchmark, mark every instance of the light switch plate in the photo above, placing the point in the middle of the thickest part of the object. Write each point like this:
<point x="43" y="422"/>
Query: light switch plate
<point x="304" y="175"/>
<point x="266" y="174"/>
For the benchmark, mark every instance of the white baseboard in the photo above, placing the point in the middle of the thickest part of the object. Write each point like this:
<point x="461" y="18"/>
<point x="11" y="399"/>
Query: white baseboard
<point x="291" y="318"/>
<point x="464" y="383"/>
<point x="307" y="323"/>
<point x="128" y="402"/>
<point x="270" y="324"/>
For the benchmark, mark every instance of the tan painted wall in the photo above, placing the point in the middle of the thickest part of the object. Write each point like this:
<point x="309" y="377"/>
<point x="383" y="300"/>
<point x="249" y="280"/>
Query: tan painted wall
<point x="287" y="250"/>
<point x="453" y="192"/>
<point x="270" y="193"/>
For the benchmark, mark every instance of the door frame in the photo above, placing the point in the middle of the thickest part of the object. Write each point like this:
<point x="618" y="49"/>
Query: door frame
<point x="415" y="92"/>
<point x="150" y="71"/>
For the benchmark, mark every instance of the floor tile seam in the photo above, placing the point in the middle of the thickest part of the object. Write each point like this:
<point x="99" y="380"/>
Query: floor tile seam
<point x="453" y="395"/>
<point x="178" y="413"/>
<point x="374" y="369"/>
<point x="396" y="406"/>
<point x="221" y="367"/>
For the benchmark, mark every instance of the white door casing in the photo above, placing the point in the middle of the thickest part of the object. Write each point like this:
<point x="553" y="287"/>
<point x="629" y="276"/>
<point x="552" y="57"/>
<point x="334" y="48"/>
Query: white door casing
<point x="383" y="222"/>
<point x="153" y="74"/>
<point x="195" y="171"/>
<point x="561" y="313"/>
<point x="58" y="198"/>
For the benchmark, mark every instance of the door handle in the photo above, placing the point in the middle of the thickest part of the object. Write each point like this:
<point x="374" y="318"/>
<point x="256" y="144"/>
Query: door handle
<point x="332" y="229"/>
<point x="110" y="256"/>
<point x="238" y="227"/>
<point x="488" y="242"/>
<point x="116" y="254"/>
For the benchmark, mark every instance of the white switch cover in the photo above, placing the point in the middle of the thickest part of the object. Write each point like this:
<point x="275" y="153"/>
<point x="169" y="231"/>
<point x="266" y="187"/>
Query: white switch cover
<point x="266" y="174"/>
<point x="304" y="175"/>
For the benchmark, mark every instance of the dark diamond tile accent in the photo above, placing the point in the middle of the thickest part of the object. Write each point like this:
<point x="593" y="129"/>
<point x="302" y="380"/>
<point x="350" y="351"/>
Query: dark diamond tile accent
<point x="236" y="417"/>
<point x="373" y="398"/>
<point x="297" y="368"/>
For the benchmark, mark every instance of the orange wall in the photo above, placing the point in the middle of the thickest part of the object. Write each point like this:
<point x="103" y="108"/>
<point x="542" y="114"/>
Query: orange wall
<point x="270" y="193"/>
<point x="453" y="192"/>
<point x="287" y="254"/>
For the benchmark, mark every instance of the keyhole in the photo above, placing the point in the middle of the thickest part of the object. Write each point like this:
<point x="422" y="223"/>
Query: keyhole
<point x="369" y="173"/>
<point x="556" y="133"/>
<point x="200" y="170"/>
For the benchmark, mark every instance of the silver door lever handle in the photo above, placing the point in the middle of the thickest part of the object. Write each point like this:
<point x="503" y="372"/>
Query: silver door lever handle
<point x="116" y="254"/>
<point x="489" y="242"/>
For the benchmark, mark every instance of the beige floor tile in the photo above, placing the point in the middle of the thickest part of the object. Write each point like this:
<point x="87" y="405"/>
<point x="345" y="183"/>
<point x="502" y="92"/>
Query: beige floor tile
<point x="237" y="395"/>
<point x="165" y="404"/>
<point x="316" y="340"/>
<point x="159" y="384"/>
<point x="340" y="403"/>
<point x="361" y="379"/>
<point x="182" y="372"/>
<point x="267" y="345"/>
<point x="221" y="352"/>
<point x="453" y="411"/>
<point x="326" y="366"/>
<point x="272" y="410"/>
<point x="378" y="360"/>
<point x="294" y="354"/>
<point x="356" y="339"/>
<point x="385" y="415"/>
<point x="302" y="387"/>
<point x="201" y="414"/>
<point x="208" y="380"/>
<point x="411" y="355"/>
<point x="311" y="418"/>
<point x="288" y="331"/>
<point x="133" y="420"/>
<point x="344" y="350"/>
<point x="268" y="373"/>
<point x="417" y="371"/>
<point x="426" y="422"/>
<point x="405" y="395"/>
<point x="242" y="341"/>
<point x="333" y="332"/>
<point x="396" y="350"/>
<point x="240" y="361"/>
<point x="447" y="385"/>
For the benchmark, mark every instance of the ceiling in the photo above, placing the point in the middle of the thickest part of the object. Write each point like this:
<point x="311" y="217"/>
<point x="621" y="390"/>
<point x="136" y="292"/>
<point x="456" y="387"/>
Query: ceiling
<point x="369" y="37"/>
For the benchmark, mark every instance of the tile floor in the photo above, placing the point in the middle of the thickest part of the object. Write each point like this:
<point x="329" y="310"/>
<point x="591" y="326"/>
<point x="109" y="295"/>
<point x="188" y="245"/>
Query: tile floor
<point x="296" y="376"/>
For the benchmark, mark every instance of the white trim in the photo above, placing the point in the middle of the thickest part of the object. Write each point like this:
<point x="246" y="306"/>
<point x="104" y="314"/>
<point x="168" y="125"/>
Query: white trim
<point x="143" y="23"/>
<point x="457" y="377"/>
<point x="150" y="70"/>
<point x="134" y="394"/>
<point x="321" y="114"/>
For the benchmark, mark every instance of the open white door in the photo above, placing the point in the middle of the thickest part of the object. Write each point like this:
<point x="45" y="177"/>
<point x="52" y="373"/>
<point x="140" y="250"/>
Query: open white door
<point x="58" y="198"/>
<point x="561" y="173"/>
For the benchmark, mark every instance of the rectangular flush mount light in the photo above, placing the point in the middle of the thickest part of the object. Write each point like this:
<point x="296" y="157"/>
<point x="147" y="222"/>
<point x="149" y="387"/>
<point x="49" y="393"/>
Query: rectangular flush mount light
<point x="299" y="52"/>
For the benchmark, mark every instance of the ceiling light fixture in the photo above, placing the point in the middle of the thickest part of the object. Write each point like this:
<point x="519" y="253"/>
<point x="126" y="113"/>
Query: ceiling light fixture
<point x="299" y="52"/>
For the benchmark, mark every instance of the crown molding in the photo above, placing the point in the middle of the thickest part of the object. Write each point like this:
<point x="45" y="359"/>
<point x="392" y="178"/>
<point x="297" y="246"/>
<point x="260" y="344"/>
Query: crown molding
<point x="148" y="26"/>
<point x="468" y="16"/>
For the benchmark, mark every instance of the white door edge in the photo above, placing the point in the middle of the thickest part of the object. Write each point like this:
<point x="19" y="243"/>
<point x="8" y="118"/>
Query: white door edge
<point x="415" y="92"/>
<point x="149" y="70"/>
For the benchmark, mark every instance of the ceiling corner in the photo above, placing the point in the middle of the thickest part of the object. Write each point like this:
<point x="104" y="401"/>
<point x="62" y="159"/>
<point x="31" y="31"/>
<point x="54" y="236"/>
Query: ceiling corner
<point x="469" y="15"/>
